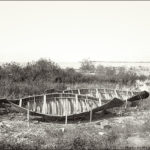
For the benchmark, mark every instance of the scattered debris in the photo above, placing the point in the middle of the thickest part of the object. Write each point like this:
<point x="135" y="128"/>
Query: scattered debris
<point x="137" y="141"/>
<point x="101" y="133"/>
<point x="62" y="130"/>
<point x="35" y="122"/>
<point x="107" y="127"/>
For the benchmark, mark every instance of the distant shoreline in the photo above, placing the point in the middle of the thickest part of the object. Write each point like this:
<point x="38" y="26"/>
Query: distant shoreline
<point x="77" y="64"/>
<point x="121" y="61"/>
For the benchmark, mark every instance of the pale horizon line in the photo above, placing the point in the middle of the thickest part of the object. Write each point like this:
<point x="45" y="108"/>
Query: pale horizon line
<point x="94" y="61"/>
<point x="123" y="61"/>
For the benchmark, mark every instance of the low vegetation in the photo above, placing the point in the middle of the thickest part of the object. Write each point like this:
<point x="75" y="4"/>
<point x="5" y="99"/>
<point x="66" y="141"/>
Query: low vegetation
<point x="35" y="77"/>
<point x="129" y="129"/>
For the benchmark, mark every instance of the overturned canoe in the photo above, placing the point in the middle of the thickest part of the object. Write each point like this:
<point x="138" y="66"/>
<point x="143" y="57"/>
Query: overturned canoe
<point x="58" y="105"/>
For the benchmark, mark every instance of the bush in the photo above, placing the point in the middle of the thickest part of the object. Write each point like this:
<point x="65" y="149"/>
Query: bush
<point x="36" y="77"/>
<point x="118" y="75"/>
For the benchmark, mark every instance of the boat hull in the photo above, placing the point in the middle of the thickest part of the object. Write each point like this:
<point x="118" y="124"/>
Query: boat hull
<point x="111" y="104"/>
<point x="60" y="105"/>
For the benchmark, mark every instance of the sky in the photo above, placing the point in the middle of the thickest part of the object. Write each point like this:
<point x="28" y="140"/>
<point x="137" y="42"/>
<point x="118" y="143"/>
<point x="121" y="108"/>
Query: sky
<point x="72" y="31"/>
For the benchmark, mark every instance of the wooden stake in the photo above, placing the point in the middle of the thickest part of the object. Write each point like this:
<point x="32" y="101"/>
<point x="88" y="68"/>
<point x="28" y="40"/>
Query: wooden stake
<point x="91" y="111"/>
<point x="34" y="105"/>
<point x="76" y="110"/>
<point x="126" y="104"/>
<point x="126" y="100"/>
<point x="20" y="102"/>
<point x="79" y="91"/>
<point x="66" y="117"/>
<point x="99" y="97"/>
<point x="91" y="115"/>
<point x="116" y="93"/>
<point x="100" y="101"/>
<point x="28" y="114"/>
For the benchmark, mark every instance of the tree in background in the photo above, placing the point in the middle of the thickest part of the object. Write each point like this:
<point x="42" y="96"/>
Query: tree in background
<point x="87" y="66"/>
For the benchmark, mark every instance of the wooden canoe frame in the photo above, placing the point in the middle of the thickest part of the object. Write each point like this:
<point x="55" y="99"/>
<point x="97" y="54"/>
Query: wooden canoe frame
<point x="115" y="102"/>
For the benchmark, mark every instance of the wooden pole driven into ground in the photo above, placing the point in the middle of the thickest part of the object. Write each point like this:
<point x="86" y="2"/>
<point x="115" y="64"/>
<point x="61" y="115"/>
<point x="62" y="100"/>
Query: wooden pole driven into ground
<point x="79" y="91"/>
<point x="126" y="100"/>
<point x="91" y="112"/>
<point x="126" y="103"/>
<point x="66" y="117"/>
<point x="20" y="102"/>
<point x="99" y="97"/>
<point x="76" y="105"/>
<point x="28" y="114"/>
<point x="34" y="105"/>
<point x="44" y="108"/>
<point x="91" y="115"/>
<point x="116" y="93"/>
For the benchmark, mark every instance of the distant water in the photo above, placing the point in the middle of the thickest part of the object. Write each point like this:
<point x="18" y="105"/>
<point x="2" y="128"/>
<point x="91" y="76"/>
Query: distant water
<point x="76" y="65"/>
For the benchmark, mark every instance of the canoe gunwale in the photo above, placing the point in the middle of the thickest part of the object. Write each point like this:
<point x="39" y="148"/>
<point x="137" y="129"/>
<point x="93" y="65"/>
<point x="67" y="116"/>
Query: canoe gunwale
<point x="74" y="95"/>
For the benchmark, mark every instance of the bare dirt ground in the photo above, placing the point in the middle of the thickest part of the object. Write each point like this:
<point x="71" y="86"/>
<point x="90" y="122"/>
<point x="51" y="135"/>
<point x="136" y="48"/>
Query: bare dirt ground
<point x="127" y="130"/>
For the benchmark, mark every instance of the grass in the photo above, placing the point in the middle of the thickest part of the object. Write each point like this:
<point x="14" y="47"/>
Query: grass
<point x="132" y="125"/>
<point x="124" y="132"/>
<point x="35" y="77"/>
<point x="17" y="90"/>
<point x="121" y="132"/>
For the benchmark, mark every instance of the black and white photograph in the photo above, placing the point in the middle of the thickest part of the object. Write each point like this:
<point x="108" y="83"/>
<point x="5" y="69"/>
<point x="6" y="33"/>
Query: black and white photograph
<point x="74" y="75"/>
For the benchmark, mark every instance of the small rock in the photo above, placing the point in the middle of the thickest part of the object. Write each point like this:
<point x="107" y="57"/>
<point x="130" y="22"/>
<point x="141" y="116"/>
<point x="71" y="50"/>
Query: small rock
<point x="36" y="122"/>
<point x="98" y="123"/>
<point x="1" y="124"/>
<point x="62" y="130"/>
<point x="101" y="133"/>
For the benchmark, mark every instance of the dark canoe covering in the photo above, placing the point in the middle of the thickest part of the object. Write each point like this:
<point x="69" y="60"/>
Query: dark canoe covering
<point x="3" y="100"/>
<point x="139" y="96"/>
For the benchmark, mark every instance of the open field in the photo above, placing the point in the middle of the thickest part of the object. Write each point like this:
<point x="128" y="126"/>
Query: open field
<point x="118" y="129"/>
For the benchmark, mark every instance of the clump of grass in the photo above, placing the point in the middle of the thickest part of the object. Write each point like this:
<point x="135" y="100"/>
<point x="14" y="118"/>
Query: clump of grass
<point x="144" y="104"/>
<point x="54" y="133"/>
<point x="76" y="143"/>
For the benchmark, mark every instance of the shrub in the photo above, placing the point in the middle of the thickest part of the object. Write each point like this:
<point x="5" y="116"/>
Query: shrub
<point x="36" y="77"/>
